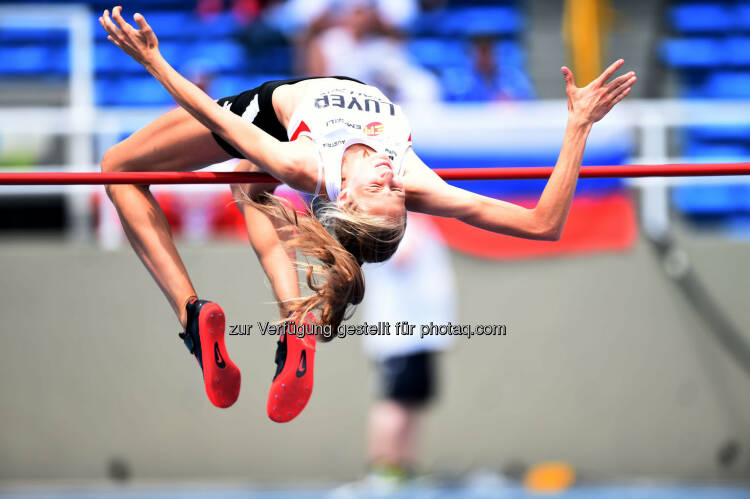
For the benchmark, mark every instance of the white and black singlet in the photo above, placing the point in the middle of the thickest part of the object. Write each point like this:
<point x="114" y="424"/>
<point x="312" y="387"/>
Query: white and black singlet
<point x="335" y="117"/>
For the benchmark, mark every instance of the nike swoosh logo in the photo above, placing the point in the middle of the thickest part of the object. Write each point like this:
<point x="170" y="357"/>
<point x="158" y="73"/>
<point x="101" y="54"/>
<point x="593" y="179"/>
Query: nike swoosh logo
<point x="218" y="358"/>
<point x="302" y="367"/>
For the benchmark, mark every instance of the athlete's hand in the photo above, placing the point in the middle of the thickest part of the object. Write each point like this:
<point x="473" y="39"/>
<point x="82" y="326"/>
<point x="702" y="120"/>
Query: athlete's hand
<point x="140" y="44"/>
<point x="591" y="103"/>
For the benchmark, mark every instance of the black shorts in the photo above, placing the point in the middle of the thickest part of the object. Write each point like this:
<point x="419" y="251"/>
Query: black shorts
<point x="408" y="379"/>
<point x="266" y="118"/>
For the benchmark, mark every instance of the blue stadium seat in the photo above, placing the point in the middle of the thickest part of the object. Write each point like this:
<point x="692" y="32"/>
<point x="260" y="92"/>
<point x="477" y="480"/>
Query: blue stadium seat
<point x="693" y="52"/>
<point x="215" y="56"/>
<point x="712" y="200"/>
<point x="42" y="36"/>
<point x="728" y="84"/>
<point x="457" y="83"/>
<point x="221" y="26"/>
<point x="28" y="59"/>
<point x="716" y="151"/>
<point x="438" y="52"/>
<point x="424" y="23"/>
<point x="105" y="90"/>
<point x="273" y="59"/>
<point x="701" y="18"/>
<point x="482" y="3"/>
<point x="139" y="91"/>
<point x="108" y="58"/>
<point x="742" y="16"/>
<point x="464" y="85"/>
<point x="481" y="21"/>
<point x="227" y="85"/>
<point x="509" y="52"/>
<point x="719" y="133"/>
<point x="738" y="51"/>
<point x="60" y="63"/>
<point x="143" y="6"/>
<point x="469" y="21"/>
<point x="166" y="24"/>
<point x="694" y="83"/>
<point x="173" y="24"/>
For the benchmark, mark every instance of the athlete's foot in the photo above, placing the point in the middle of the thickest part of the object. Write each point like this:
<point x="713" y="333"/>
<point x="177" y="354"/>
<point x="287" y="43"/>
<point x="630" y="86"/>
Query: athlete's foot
<point x="293" y="382"/>
<point x="204" y="338"/>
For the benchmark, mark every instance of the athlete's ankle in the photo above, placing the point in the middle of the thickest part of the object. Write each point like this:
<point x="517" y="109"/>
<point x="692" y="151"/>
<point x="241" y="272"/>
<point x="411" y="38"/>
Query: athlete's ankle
<point x="182" y="315"/>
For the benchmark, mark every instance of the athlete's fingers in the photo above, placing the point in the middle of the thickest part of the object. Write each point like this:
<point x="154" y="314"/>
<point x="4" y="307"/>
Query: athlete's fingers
<point x="144" y="27"/>
<point x="110" y="27"/>
<point x="124" y="26"/>
<point x="141" y="22"/>
<point x="568" y="76"/>
<point x="620" y="97"/>
<point x="101" y="21"/>
<point x="106" y="28"/>
<point x="619" y="80"/>
<point x="614" y="94"/>
<point x="108" y="22"/>
<point x="609" y="72"/>
<point x="615" y="91"/>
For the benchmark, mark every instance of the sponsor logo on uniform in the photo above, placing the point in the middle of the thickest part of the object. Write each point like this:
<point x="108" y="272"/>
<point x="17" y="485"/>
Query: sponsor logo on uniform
<point x="374" y="128"/>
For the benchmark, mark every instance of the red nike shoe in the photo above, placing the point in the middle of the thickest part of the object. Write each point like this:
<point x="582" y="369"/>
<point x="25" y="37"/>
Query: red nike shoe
<point x="293" y="382"/>
<point x="204" y="338"/>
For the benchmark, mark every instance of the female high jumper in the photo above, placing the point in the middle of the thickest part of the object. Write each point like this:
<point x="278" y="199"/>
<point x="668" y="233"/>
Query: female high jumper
<point x="338" y="139"/>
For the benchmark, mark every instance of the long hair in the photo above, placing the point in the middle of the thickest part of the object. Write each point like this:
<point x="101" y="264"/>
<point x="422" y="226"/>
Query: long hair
<point x="355" y="237"/>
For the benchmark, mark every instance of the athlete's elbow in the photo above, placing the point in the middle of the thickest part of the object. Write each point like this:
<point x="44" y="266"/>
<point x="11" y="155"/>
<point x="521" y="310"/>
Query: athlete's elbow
<point x="542" y="233"/>
<point x="291" y="167"/>
<point x="552" y="234"/>
<point x="292" y="174"/>
<point x="546" y="229"/>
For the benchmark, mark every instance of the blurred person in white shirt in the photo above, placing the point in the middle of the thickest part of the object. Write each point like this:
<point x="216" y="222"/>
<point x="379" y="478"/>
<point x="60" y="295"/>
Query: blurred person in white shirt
<point x="415" y="285"/>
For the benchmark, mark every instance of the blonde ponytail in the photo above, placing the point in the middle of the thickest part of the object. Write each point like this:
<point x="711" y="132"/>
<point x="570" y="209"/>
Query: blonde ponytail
<point x="337" y="280"/>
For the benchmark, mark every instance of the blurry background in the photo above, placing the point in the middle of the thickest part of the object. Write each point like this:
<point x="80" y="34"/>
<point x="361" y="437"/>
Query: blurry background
<point x="627" y="349"/>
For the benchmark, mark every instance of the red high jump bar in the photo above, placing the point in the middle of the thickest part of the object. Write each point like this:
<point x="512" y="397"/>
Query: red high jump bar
<point x="147" y="178"/>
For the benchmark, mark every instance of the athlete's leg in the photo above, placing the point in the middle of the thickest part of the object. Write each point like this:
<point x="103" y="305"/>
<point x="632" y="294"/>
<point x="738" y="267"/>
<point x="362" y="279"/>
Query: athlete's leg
<point x="292" y="383"/>
<point x="278" y="262"/>
<point x="173" y="142"/>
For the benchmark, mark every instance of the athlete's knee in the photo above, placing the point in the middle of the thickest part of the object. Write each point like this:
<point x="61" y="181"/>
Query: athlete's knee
<point x="112" y="161"/>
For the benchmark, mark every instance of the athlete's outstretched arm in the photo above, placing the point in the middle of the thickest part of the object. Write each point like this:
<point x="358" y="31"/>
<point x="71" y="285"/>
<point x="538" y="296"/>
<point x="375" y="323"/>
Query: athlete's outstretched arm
<point x="283" y="160"/>
<point x="428" y="193"/>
